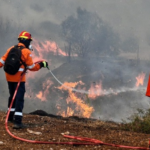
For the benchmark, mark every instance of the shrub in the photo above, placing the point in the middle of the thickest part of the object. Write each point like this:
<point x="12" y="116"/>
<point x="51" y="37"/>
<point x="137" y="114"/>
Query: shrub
<point x="139" y="122"/>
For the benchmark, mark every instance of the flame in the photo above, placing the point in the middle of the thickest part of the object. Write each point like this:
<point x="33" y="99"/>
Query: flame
<point x="140" y="79"/>
<point x="70" y="112"/>
<point x="81" y="109"/>
<point x="42" y="51"/>
<point x="40" y="95"/>
<point x="67" y="113"/>
<point x="95" y="90"/>
<point x="46" y="47"/>
<point x="76" y="102"/>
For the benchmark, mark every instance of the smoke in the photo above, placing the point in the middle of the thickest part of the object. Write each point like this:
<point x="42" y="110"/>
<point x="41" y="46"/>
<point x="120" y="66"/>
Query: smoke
<point x="127" y="18"/>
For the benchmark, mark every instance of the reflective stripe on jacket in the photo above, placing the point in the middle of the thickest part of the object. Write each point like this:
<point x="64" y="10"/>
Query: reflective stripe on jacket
<point x="26" y="57"/>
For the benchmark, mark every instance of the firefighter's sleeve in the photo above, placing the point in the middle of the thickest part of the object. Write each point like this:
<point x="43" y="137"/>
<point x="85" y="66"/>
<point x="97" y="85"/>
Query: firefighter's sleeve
<point x="3" y="58"/>
<point x="30" y="65"/>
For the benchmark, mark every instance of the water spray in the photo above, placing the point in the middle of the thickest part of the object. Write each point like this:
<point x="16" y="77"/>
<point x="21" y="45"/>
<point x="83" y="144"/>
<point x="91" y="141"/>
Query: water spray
<point x="104" y="92"/>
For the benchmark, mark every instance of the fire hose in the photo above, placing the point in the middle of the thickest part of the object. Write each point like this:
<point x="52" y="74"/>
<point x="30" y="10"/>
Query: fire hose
<point x="88" y="141"/>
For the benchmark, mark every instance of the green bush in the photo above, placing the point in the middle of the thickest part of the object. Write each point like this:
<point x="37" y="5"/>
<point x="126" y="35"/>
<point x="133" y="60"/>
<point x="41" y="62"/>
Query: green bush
<point x="139" y="122"/>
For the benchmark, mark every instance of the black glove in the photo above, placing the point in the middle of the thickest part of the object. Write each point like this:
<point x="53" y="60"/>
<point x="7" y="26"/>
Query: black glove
<point x="43" y="64"/>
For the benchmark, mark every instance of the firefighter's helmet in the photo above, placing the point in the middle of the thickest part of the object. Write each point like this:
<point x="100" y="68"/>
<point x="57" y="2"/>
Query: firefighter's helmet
<point x="25" y="35"/>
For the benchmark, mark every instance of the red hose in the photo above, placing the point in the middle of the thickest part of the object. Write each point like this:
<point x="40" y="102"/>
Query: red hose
<point x="102" y="143"/>
<point x="92" y="141"/>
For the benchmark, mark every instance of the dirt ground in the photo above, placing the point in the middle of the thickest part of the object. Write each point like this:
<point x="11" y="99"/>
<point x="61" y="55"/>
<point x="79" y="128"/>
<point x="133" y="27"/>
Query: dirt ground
<point x="50" y="128"/>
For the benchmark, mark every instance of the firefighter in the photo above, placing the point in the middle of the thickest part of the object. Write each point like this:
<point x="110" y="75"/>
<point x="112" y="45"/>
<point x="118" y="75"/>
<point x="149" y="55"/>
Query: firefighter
<point x="16" y="112"/>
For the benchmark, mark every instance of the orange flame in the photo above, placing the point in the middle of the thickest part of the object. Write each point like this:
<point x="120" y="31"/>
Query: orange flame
<point x="43" y="94"/>
<point x="41" y="51"/>
<point x="95" y="90"/>
<point x="67" y="113"/>
<point x="40" y="95"/>
<point x="47" y="46"/>
<point x="140" y="79"/>
<point x="82" y="109"/>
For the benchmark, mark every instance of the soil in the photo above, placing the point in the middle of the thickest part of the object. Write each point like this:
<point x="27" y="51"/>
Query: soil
<point x="46" y="127"/>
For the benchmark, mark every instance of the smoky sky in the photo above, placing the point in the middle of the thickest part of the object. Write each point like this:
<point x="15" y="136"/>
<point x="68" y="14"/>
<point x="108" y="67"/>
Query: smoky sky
<point x="128" y="18"/>
<point x="43" y="18"/>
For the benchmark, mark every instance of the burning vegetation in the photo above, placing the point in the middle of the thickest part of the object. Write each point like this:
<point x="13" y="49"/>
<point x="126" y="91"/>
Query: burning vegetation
<point x="88" y="96"/>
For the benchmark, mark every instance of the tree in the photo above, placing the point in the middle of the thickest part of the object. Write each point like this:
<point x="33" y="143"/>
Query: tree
<point x="87" y="34"/>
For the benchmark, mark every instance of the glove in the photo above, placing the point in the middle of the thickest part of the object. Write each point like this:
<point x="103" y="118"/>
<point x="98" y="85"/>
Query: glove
<point x="43" y="64"/>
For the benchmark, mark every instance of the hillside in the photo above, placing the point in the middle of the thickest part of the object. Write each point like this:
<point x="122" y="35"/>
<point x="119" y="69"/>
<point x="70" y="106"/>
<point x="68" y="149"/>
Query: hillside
<point x="113" y="81"/>
<point x="51" y="127"/>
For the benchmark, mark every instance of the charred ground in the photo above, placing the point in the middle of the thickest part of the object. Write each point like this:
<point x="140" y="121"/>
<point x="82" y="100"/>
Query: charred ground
<point x="52" y="127"/>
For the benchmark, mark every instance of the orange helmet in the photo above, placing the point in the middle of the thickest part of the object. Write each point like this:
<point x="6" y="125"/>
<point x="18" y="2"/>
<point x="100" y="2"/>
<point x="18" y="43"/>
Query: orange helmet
<point x="25" y="35"/>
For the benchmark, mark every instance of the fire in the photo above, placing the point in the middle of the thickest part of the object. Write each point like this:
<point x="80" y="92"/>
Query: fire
<point x="81" y="108"/>
<point x="43" y="50"/>
<point x="67" y="113"/>
<point x="46" y="47"/>
<point x="76" y="102"/>
<point x="42" y="95"/>
<point x="70" y="112"/>
<point x="95" y="90"/>
<point x="140" y="79"/>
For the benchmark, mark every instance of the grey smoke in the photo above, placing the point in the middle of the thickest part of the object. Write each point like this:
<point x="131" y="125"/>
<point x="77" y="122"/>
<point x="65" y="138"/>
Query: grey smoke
<point x="43" y="19"/>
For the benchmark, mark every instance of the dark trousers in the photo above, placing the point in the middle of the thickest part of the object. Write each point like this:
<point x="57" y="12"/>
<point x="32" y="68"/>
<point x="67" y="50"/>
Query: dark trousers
<point x="18" y="104"/>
